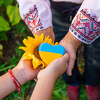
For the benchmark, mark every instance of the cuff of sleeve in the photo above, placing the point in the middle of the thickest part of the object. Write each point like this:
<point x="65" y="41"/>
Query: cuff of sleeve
<point x="85" y="27"/>
<point x="33" y="21"/>
<point x="37" y="27"/>
<point x="79" y="36"/>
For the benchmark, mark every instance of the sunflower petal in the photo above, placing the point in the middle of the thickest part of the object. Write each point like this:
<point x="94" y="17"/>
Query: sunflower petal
<point x="23" y="48"/>
<point x="56" y="43"/>
<point x="36" y="37"/>
<point x="27" y="49"/>
<point x="27" y="43"/>
<point x="46" y="39"/>
<point x="41" y="37"/>
<point x="49" y="41"/>
<point x="31" y="40"/>
<point x="27" y="55"/>
<point x="36" y="62"/>
<point x="37" y="40"/>
<point x="52" y="42"/>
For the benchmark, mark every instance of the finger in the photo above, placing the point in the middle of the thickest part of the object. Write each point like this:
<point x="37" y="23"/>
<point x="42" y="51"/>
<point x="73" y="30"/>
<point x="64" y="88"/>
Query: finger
<point x="35" y="80"/>
<point x="40" y="67"/>
<point x="70" y="66"/>
<point x="66" y="57"/>
<point x="65" y="60"/>
<point x="66" y="65"/>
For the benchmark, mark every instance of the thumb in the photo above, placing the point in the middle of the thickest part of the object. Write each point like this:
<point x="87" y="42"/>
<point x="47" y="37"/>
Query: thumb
<point x="66" y="57"/>
<point x="64" y="60"/>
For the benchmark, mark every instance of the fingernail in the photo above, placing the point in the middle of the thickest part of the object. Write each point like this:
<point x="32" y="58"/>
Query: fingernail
<point x="70" y="73"/>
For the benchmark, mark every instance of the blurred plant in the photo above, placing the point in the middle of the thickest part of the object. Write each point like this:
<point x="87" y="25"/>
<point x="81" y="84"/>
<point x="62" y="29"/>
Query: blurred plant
<point x="81" y="67"/>
<point x="59" y="92"/>
<point x="8" y="19"/>
<point x="13" y="61"/>
<point x="1" y="52"/>
<point x="82" y="93"/>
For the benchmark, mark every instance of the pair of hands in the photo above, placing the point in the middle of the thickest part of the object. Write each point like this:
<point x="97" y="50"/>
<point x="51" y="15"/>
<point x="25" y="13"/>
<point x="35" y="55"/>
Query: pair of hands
<point x="69" y="42"/>
<point x="24" y="71"/>
<point x="54" y="68"/>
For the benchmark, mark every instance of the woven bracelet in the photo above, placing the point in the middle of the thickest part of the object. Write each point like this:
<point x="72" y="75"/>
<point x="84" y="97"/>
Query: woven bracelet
<point x="16" y="82"/>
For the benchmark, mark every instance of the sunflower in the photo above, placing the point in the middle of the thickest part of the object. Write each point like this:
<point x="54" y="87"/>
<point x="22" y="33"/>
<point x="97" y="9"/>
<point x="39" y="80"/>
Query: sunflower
<point x="31" y="49"/>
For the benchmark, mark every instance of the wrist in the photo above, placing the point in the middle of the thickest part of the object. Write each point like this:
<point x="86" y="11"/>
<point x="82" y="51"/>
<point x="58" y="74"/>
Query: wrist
<point x="19" y="75"/>
<point x="47" y="32"/>
<point x="47" y="73"/>
<point x="72" y="40"/>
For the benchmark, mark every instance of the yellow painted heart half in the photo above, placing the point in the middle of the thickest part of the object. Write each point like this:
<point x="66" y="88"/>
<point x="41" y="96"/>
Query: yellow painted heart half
<point x="48" y="52"/>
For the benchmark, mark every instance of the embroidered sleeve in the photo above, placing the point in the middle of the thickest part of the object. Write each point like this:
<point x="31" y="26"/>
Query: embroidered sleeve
<point x="36" y="14"/>
<point x="86" y="24"/>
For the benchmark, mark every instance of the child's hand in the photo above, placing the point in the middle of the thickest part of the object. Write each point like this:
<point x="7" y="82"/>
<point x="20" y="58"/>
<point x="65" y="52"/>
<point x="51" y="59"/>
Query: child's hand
<point x="26" y="68"/>
<point x="47" y="78"/>
<point x="56" y="68"/>
<point x="23" y="72"/>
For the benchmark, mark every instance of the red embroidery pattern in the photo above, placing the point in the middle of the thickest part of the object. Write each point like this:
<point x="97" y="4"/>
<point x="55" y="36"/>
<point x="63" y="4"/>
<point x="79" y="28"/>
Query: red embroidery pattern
<point x="32" y="20"/>
<point x="85" y="27"/>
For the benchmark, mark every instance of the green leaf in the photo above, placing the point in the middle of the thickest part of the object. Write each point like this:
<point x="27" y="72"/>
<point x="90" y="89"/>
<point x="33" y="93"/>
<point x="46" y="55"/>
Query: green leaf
<point x="8" y="67"/>
<point x="1" y="54"/>
<point x="1" y="47"/>
<point x="7" y="2"/>
<point x="13" y="14"/>
<point x="1" y="2"/>
<point x="4" y="25"/>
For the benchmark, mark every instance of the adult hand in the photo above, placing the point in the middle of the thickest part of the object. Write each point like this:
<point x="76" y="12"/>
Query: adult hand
<point x="26" y="65"/>
<point x="70" y="43"/>
<point x="47" y="32"/>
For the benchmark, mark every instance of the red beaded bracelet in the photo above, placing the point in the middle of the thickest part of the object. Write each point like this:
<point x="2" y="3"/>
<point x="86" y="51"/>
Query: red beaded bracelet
<point x="16" y="82"/>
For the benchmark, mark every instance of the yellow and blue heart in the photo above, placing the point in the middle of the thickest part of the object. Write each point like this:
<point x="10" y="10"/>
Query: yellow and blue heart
<point x="48" y="52"/>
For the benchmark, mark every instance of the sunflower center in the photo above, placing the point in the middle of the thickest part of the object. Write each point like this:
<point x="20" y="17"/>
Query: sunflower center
<point x="36" y="53"/>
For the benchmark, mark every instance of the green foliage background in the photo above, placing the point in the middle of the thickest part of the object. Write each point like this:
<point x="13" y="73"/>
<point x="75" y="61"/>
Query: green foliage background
<point x="9" y="16"/>
<point x="10" y="22"/>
